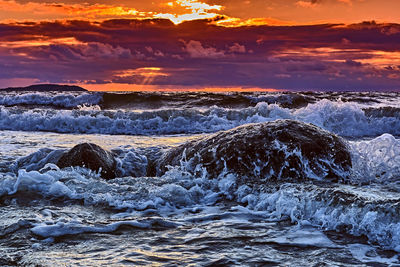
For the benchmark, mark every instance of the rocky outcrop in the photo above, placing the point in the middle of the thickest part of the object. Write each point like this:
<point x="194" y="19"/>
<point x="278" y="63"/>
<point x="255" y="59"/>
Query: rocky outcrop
<point x="284" y="150"/>
<point x="90" y="156"/>
<point x="46" y="88"/>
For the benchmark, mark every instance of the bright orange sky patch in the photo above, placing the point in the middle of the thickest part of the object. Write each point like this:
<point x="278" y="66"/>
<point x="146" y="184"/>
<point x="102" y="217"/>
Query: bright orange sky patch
<point x="238" y="12"/>
<point x="152" y="88"/>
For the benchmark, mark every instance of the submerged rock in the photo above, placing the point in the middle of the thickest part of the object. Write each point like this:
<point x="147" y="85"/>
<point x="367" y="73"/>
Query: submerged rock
<point x="285" y="150"/>
<point x="90" y="156"/>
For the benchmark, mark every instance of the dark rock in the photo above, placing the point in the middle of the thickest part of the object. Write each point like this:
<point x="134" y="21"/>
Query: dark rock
<point x="284" y="150"/>
<point x="90" y="156"/>
<point x="46" y="87"/>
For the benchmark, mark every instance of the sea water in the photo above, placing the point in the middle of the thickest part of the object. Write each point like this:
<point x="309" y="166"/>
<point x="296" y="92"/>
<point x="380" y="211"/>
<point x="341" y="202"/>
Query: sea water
<point x="51" y="216"/>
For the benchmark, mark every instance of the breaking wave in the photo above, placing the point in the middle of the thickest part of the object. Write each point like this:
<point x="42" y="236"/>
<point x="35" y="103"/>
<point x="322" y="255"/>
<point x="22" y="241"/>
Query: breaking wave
<point x="345" y="119"/>
<point x="46" y="208"/>
<point x="344" y="208"/>
<point x="369" y="207"/>
<point x="57" y="100"/>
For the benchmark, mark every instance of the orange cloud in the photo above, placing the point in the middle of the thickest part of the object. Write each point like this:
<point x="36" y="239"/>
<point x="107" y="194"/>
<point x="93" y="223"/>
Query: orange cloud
<point x="197" y="6"/>
<point x="40" y="41"/>
<point x="306" y="4"/>
<point x="313" y="3"/>
<point x="235" y="12"/>
<point x="382" y="59"/>
<point x="237" y="22"/>
<point x="178" y="11"/>
<point x="61" y="10"/>
<point x="193" y="10"/>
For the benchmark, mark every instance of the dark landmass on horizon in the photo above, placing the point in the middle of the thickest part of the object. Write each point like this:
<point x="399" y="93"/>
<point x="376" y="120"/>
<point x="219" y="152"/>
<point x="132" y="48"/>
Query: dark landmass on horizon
<point x="46" y="88"/>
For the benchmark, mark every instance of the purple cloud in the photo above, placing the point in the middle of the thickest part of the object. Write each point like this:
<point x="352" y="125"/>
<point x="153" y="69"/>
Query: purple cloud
<point x="199" y="53"/>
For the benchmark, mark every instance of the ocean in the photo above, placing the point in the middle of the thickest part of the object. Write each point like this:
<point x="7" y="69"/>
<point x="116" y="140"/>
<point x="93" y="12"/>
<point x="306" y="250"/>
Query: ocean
<point x="73" y="217"/>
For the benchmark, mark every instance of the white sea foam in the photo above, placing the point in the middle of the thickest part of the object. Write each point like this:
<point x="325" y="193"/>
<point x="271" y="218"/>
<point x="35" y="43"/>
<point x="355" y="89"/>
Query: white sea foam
<point x="125" y="122"/>
<point x="64" y="100"/>
<point x="37" y="160"/>
<point x="305" y="236"/>
<point x="377" y="160"/>
<point x="367" y="210"/>
<point x="355" y="210"/>
<point x="373" y="161"/>
<point x="368" y="254"/>
<point x="130" y="162"/>
<point x="345" y="119"/>
<point x="60" y="228"/>
<point x="368" y="207"/>
<point x="342" y="209"/>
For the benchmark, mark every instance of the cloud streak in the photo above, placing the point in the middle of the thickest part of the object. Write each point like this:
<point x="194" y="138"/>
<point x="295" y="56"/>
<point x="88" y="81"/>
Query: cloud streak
<point x="200" y="53"/>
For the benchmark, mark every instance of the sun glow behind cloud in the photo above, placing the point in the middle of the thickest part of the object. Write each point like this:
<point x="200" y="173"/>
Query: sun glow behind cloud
<point x="143" y="76"/>
<point x="195" y="9"/>
<point x="178" y="11"/>
<point x="234" y="12"/>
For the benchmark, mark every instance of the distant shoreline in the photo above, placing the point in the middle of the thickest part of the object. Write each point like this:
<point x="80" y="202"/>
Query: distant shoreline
<point x="45" y="88"/>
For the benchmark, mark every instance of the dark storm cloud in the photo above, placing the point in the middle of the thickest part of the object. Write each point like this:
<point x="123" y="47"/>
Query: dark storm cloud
<point x="199" y="53"/>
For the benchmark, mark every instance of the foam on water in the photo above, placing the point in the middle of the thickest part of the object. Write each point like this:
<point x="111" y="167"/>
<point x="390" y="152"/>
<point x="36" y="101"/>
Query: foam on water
<point x="377" y="160"/>
<point x="57" y="229"/>
<point x="302" y="236"/>
<point x="345" y="119"/>
<point x="62" y="100"/>
<point x="303" y="215"/>
<point x="125" y="122"/>
<point x="368" y="254"/>
<point x="130" y="162"/>
<point x="356" y="210"/>
<point x="37" y="160"/>
<point x="342" y="209"/>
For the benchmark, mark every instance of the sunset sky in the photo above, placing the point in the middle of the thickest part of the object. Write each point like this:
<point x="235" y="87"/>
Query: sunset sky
<point x="188" y="44"/>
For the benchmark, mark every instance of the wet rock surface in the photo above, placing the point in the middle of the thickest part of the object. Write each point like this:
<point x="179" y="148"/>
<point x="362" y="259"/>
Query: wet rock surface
<point x="285" y="150"/>
<point x="90" y="156"/>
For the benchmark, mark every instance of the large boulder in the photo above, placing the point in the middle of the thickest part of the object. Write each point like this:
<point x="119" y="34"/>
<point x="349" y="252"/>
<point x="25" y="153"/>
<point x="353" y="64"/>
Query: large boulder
<point x="90" y="156"/>
<point x="284" y="150"/>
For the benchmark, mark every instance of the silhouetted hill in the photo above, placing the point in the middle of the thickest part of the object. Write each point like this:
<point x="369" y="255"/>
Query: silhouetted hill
<point x="46" y="88"/>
